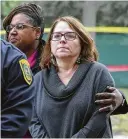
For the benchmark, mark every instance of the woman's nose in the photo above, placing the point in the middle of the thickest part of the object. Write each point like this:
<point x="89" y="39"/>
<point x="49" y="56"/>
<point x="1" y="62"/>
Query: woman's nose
<point x="13" y="31"/>
<point x="62" y="39"/>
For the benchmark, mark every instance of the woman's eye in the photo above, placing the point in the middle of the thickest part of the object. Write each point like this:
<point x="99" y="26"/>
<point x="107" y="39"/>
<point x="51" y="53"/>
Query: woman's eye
<point x="56" y="36"/>
<point x="19" y="26"/>
<point x="70" y="35"/>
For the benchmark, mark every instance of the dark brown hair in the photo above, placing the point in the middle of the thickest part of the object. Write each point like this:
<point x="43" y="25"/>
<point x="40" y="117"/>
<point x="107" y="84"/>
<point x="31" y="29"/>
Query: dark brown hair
<point x="88" y="49"/>
<point x="35" y="15"/>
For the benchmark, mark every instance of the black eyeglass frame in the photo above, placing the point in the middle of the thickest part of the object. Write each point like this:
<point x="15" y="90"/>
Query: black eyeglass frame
<point x="63" y="34"/>
<point x="19" y="26"/>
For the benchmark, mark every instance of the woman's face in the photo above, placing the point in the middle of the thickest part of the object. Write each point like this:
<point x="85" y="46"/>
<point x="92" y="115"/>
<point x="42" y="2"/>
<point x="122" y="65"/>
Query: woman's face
<point x="65" y="42"/>
<point x="22" y="37"/>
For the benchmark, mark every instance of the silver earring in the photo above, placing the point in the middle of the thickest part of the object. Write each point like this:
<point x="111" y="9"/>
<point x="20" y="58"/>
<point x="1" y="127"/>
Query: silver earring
<point x="78" y="61"/>
<point x="37" y="38"/>
<point x="52" y="59"/>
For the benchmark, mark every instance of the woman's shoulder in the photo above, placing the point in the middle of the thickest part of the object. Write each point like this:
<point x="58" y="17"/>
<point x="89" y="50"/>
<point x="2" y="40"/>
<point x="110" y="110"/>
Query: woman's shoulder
<point x="39" y="73"/>
<point x="99" y="66"/>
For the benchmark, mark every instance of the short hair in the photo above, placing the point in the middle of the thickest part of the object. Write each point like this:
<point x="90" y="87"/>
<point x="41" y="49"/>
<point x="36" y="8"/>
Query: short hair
<point x="88" y="49"/>
<point x="32" y="11"/>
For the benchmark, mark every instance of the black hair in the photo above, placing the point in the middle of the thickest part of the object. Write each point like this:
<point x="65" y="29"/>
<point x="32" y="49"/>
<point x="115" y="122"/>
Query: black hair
<point x="35" y="15"/>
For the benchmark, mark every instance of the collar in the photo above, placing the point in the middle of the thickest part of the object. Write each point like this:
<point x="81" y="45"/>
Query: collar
<point x="32" y="59"/>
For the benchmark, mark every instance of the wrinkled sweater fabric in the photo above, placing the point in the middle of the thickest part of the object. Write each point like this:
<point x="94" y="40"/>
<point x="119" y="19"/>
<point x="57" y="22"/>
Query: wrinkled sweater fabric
<point x="65" y="111"/>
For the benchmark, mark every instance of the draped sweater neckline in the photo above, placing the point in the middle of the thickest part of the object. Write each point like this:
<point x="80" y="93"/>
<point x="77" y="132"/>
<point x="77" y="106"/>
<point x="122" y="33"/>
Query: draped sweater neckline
<point x="55" y="88"/>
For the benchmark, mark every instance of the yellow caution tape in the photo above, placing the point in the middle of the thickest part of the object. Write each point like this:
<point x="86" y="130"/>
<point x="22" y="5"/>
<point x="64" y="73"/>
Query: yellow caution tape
<point x="94" y="29"/>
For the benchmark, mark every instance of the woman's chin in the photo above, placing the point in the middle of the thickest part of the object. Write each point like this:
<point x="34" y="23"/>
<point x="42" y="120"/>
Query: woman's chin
<point x="63" y="56"/>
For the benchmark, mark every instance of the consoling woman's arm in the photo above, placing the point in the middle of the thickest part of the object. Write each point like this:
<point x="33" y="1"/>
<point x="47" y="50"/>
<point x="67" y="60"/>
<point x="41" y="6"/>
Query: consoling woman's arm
<point x="123" y="108"/>
<point x="113" y="100"/>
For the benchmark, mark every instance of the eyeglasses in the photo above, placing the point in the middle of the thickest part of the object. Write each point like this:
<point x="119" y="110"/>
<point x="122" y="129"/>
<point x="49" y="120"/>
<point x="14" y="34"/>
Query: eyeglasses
<point x="56" y="36"/>
<point x="19" y="26"/>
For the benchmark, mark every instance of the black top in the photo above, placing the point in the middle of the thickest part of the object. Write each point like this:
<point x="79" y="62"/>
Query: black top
<point x="17" y="92"/>
<point x="69" y="111"/>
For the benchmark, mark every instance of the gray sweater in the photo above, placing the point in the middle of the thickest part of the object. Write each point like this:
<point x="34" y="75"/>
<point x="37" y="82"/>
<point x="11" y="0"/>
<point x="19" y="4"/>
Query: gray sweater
<point x="69" y="111"/>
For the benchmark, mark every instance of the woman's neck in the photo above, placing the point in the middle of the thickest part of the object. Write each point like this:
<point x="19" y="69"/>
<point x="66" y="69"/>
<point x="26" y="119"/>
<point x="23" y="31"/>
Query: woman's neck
<point x="65" y="65"/>
<point x="29" y="52"/>
<point x="66" y="71"/>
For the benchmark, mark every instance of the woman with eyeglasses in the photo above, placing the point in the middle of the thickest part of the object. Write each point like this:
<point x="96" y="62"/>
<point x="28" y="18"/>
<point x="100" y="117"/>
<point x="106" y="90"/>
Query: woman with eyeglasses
<point x="67" y="84"/>
<point x="24" y="27"/>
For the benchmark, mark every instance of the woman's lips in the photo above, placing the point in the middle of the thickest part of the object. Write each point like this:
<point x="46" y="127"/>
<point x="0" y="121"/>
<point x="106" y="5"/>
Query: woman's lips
<point x="13" y="40"/>
<point x="63" y="49"/>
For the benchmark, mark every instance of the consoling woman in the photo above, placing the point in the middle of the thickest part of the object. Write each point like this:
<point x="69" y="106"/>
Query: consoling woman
<point x="67" y="84"/>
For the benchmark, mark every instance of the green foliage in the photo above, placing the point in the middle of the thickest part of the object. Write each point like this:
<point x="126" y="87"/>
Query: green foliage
<point x="7" y="6"/>
<point x="113" y="13"/>
<point x="55" y="9"/>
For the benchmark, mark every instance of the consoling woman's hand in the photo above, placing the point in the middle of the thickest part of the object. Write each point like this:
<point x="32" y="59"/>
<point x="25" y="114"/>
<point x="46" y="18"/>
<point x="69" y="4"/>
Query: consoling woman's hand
<point x="109" y="100"/>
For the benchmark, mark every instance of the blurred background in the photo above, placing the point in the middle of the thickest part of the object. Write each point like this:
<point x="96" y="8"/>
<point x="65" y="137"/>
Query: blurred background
<point x="107" y="22"/>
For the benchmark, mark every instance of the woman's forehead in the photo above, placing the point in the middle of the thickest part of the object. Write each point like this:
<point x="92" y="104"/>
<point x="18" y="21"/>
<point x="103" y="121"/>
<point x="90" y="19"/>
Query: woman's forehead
<point x="19" y="17"/>
<point x="62" y="26"/>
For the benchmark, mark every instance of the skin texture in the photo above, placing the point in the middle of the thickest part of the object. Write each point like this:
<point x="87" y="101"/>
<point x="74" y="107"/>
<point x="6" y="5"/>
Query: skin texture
<point x="66" y="52"/>
<point x="110" y="100"/>
<point x="65" y="49"/>
<point x="24" y="39"/>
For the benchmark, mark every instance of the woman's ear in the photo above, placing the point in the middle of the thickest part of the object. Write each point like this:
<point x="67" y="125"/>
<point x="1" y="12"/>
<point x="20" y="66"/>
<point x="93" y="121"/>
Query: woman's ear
<point x="38" y="33"/>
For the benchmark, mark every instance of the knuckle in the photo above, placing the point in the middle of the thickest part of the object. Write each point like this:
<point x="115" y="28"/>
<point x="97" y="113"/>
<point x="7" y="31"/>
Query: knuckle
<point x="113" y="95"/>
